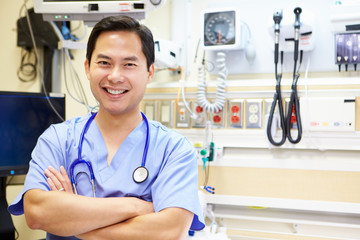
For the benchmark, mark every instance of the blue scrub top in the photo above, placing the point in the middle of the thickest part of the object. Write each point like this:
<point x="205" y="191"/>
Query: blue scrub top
<point x="171" y="161"/>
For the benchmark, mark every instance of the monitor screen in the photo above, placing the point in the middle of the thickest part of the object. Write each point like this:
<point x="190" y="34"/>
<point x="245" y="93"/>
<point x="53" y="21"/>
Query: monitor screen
<point x="23" y="118"/>
<point x="92" y="11"/>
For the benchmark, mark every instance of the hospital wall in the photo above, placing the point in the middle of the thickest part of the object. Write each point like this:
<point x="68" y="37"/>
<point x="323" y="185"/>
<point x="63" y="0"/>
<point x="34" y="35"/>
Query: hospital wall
<point x="310" y="190"/>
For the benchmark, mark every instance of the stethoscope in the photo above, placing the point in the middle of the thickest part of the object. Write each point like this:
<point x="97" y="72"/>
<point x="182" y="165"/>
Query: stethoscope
<point x="140" y="174"/>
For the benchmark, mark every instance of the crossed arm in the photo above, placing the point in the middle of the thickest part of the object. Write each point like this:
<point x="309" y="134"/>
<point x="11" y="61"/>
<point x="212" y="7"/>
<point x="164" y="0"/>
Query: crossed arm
<point x="65" y="214"/>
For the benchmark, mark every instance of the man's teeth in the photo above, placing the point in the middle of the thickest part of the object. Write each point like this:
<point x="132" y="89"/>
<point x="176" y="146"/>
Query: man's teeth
<point x="115" y="91"/>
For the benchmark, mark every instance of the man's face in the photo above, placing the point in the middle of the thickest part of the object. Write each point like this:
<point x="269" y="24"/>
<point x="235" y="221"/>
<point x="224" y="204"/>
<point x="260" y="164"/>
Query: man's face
<point x="118" y="72"/>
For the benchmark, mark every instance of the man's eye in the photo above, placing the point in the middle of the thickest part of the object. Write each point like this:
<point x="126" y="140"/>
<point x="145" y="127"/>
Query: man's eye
<point x="130" y="65"/>
<point x="103" y="63"/>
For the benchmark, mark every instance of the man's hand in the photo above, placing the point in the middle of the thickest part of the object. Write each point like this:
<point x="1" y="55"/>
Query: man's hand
<point x="58" y="181"/>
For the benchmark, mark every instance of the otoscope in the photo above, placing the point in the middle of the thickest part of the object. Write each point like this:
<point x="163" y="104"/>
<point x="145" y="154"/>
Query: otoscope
<point x="294" y="100"/>
<point x="277" y="96"/>
<point x="297" y="12"/>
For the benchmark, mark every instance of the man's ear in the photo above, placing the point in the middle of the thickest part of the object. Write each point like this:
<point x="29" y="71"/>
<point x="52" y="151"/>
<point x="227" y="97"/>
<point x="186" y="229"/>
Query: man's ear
<point x="87" y="68"/>
<point x="151" y="73"/>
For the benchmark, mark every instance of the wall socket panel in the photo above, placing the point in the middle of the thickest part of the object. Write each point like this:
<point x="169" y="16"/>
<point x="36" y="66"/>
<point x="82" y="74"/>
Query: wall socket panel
<point x="166" y="113"/>
<point x="267" y="107"/>
<point x="235" y="110"/>
<point x="218" y="118"/>
<point x="150" y="109"/>
<point x="253" y="113"/>
<point x="182" y="120"/>
<point x="200" y="121"/>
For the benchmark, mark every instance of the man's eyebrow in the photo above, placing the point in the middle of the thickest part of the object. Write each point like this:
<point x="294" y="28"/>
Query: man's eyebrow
<point x="131" y="58"/>
<point x="103" y="56"/>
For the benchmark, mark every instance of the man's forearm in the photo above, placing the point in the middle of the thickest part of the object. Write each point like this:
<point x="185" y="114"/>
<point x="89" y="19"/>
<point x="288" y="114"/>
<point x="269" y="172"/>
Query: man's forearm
<point x="169" y="224"/>
<point x="67" y="214"/>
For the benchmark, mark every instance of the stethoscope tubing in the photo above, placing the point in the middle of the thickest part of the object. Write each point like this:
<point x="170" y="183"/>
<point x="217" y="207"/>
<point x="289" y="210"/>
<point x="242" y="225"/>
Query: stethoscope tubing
<point x="88" y="163"/>
<point x="80" y="160"/>
<point x="143" y="162"/>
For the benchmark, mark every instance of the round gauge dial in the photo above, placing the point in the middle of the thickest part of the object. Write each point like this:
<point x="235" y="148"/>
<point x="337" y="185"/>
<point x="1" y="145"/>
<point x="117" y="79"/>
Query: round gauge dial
<point x="219" y="28"/>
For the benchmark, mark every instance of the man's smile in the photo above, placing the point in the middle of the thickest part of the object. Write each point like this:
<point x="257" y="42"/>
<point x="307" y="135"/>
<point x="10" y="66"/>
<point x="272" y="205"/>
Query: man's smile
<point x="115" y="92"/>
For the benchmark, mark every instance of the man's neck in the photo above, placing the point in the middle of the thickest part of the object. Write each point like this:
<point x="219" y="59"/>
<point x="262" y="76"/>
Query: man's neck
<point x="113" y="123"/>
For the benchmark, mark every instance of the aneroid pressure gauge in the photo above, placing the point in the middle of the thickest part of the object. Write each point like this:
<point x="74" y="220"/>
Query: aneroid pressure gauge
<point x="221" y="29"/>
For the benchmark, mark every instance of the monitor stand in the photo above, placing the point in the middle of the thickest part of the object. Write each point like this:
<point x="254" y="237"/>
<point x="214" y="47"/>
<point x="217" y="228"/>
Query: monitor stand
<point x="7" y="230"/>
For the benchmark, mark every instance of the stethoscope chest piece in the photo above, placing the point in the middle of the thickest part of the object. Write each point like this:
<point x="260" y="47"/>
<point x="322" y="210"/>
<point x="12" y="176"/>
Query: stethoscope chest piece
<point x="140" y="174"/>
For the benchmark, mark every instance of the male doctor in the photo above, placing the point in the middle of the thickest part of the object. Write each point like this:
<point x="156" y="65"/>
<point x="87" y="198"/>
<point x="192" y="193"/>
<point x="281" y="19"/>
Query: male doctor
<point x="160" y="202"/>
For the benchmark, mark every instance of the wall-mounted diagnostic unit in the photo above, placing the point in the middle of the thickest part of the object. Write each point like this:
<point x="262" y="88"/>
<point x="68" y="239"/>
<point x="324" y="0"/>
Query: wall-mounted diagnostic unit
<point x="286" y="30"/>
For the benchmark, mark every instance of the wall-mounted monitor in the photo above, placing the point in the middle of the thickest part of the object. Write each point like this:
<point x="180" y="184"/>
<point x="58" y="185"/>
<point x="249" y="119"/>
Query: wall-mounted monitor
<point x="23" y="118"/>
<point x="92" y="11"/>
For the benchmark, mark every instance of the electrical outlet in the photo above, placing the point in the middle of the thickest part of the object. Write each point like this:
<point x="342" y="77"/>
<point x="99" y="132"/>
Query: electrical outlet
<point x="235" y="110"/>
<point x="150" y="109"/>
<point x="254" y="112"/>
<point x="218" y="119"/>
<point x="182" y="118"/>
<point x="293" y="117"/>
<point x="166" y="113"/>
<point x="200" y="121"/>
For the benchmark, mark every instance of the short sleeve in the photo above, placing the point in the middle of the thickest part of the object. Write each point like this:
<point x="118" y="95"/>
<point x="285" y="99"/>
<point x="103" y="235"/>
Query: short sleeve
<point x="177" y="181"/>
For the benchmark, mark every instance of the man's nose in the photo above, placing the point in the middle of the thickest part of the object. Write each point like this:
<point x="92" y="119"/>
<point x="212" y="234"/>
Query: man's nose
<point x="116" y="75"/>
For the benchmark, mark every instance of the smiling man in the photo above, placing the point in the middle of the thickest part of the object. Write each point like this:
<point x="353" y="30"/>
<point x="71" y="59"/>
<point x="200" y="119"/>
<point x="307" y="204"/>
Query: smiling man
<point x="113" y="174"/>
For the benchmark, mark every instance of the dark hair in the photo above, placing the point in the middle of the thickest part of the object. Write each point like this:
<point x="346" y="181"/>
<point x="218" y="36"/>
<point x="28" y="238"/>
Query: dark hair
<point x="123" y="23"/>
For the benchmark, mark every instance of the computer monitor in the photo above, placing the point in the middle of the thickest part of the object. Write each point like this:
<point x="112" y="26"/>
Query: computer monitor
<point x="23" y="118"/>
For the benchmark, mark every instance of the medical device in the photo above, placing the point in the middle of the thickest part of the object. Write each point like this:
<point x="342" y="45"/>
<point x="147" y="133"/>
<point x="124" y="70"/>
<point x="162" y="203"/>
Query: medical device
<point x="221" y="29"/>
<point x="278" y="15"/>
<point x="345" y="25"/>
<point x="344" y="16"/>
<point x="167" y="54"/>
<point x="224" y="30"/>
<point x="293" y="115"/>
<point x="140" y="174"/>
<point x="207" y="155"/>
<point x="286" y="38"/>
<point x="93" y="11"/>
<point x="347" y="50"/>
